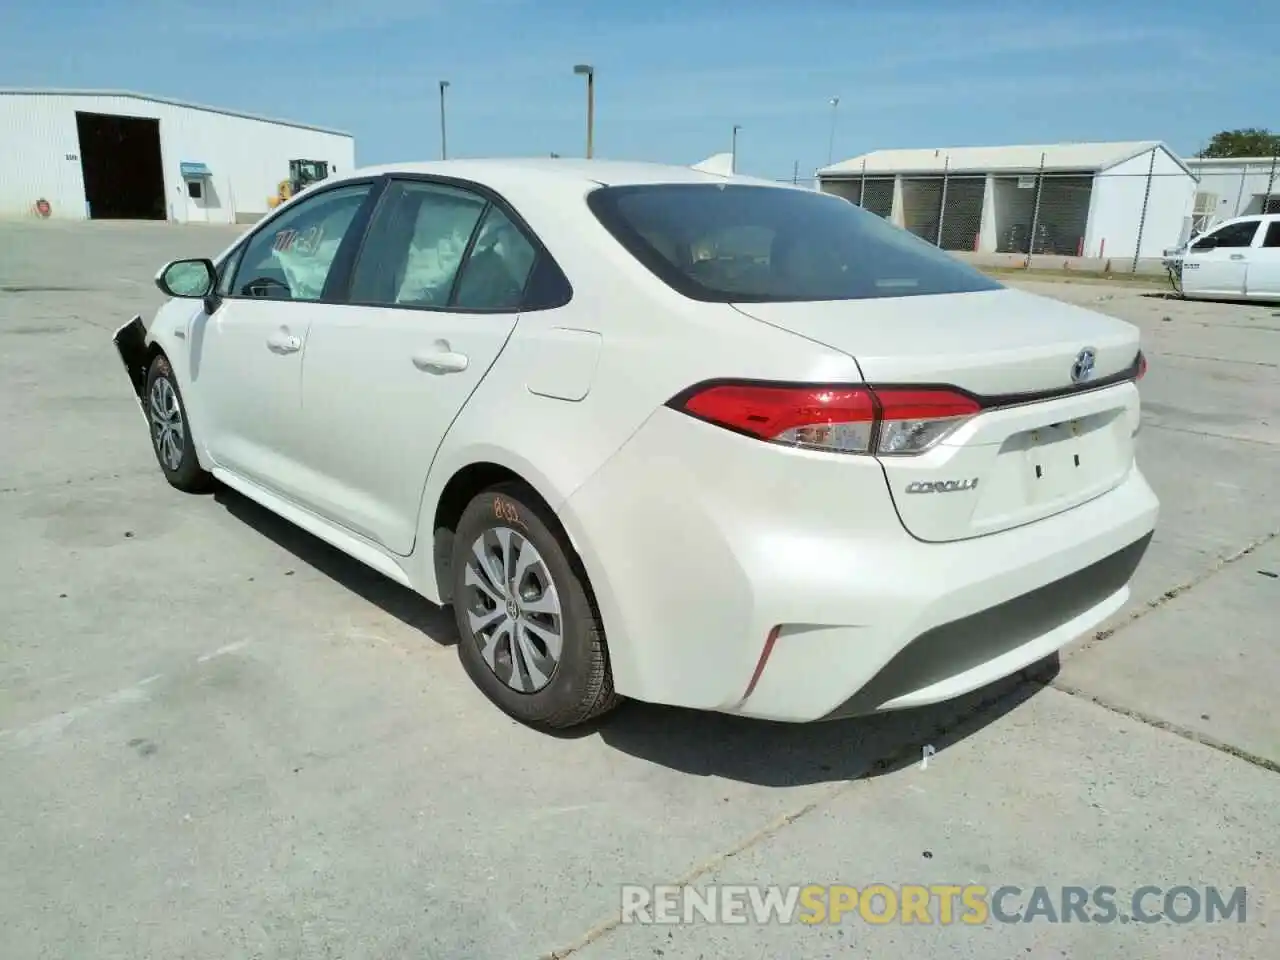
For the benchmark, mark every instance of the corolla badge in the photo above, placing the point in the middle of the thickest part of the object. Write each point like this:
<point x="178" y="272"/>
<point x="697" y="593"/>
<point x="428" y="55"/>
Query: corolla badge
<point x="1082" y="369"/>
<point x="941" y="486"/>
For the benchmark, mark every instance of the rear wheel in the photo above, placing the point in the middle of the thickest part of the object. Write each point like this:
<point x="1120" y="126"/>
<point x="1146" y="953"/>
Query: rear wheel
<point x="531" y="636"/>
<point x="171" y="438"/>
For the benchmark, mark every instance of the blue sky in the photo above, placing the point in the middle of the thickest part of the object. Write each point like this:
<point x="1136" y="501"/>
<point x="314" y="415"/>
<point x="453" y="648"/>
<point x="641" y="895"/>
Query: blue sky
<point x="673" y="78"/>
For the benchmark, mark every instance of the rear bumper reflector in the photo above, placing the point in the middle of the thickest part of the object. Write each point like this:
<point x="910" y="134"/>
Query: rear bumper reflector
<point x="769" y="641"/>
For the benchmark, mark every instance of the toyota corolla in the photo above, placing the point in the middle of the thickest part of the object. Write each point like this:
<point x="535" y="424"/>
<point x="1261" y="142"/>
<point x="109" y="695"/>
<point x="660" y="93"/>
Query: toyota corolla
<point x="659" y="433"/>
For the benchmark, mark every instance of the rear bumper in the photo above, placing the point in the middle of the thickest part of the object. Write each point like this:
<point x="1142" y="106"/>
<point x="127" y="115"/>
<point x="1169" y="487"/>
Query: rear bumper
<point x="699" y="543"/>
<point x="965" y="654"/>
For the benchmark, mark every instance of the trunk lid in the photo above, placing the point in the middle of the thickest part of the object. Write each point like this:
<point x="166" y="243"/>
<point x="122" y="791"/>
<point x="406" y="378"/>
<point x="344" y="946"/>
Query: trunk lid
<point x="1025" y="456"/>
<point x="991" y="343"/>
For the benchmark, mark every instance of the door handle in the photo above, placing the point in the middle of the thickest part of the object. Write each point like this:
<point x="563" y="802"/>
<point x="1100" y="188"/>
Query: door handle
<point x="283" y="342"/>
<point x="441" y="361"/>
<point x="1237" y="256"/>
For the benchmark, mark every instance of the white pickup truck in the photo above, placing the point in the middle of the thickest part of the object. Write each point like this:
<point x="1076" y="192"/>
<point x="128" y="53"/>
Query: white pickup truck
<point x="1238" y="259"/>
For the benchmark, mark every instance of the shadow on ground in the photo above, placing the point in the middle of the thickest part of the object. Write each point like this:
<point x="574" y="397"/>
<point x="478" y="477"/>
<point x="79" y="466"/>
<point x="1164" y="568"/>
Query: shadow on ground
<point x="1229" y="301"/>
<point x="700" y="744"/>
<point x="403" y="604"/>
<point x="785" y="754"/>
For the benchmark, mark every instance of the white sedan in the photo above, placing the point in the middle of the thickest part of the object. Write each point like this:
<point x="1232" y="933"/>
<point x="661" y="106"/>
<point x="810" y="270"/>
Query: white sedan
<point x="660" y="433"/>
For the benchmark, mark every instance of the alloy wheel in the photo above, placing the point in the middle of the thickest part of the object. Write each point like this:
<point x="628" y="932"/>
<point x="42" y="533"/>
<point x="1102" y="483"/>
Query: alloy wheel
<point x="167" y="430"/>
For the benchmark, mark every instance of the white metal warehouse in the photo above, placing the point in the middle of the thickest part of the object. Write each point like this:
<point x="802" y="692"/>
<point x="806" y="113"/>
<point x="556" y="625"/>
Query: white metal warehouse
<point x="84" y="154"/>
<point x="1072" y="200"/>
<point x="1234" y="187"/>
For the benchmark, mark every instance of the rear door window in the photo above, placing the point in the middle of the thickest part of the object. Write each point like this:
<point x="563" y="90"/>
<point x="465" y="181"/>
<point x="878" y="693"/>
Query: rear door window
<point x="415" y="245"/>
<point x="737" y="243"/>
<point x="447" y="246"/>
<point x="497" y="268"/>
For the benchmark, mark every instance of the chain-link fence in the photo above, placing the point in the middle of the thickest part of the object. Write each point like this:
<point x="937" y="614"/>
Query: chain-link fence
<point x="1125" y="217"/>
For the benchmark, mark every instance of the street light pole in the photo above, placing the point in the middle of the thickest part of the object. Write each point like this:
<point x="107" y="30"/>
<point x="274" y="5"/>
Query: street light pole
<point x="733" y="163"/>
<point x="831" y="140"/>
<point x="444" y="150"/>
<point x="588" y="71"/>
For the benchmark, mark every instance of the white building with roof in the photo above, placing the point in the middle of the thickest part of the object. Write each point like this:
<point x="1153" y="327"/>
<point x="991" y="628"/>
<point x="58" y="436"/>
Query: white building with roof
<point x="90" y="154"/>
<point x="1234" y="187"/>
<point x="1069" y="199"/>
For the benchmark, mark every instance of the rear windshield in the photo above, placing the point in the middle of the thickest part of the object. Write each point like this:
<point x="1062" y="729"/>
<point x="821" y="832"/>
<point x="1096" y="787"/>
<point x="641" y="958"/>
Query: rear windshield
<point x="751" y="244"/>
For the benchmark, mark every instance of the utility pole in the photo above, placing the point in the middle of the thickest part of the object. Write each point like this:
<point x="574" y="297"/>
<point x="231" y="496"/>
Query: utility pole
<point x="444" y="149"/>
<point x="733" y="163"/>
<point x="588" y="71"/>
<point x="1271" y="182"/>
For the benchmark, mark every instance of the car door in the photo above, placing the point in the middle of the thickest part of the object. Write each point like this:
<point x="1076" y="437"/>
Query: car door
<point x="1263" y="277"/>
<point x="434" y="297"/>
<point x="246" y="356"/>
<point x="1216" y="263"/>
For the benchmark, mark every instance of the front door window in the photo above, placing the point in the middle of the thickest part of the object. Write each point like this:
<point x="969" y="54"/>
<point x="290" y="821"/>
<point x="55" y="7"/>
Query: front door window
<point x="290" y="258"/>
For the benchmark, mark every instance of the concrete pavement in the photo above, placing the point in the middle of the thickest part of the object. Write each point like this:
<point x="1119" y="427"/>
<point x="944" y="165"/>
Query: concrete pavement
<point x="220" y="738"/>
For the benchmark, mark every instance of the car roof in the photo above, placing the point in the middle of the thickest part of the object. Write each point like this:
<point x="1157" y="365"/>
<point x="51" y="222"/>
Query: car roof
<point x="548" y="193"/>
<point x="560" y="170"/>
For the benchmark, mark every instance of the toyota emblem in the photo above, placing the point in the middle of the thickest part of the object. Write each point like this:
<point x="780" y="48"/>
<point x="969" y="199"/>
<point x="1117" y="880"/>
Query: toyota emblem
<point x="1082" y="369"/>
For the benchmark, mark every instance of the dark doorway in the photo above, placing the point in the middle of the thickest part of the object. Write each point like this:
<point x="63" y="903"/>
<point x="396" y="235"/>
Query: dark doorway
<point x="123" y="172"/>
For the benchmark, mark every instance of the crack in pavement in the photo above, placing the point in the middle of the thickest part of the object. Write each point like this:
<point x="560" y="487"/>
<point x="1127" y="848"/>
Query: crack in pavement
<point x="1219" y="565"/>
<point x="1205" y="433"/>
<point x="912" y="749"/>
<point x="1176" y="729"/>
<point x="1032" y="675"/>
<point x="1151" y="720"/>
<point x="1196" y="356"/>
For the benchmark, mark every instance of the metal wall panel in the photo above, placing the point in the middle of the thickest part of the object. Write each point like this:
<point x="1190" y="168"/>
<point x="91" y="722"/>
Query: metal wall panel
<point x="962" y="212"/>
<point x="878" y="197"/>
<point x="922" y="206"/>
<point x="1064" y="213"/>
<point x="247" y="157"/>
<point x="41" y="157"/>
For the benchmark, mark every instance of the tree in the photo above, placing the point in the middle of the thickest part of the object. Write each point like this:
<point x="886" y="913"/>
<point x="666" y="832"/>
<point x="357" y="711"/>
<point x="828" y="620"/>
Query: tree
<point x="1249" y="142"/>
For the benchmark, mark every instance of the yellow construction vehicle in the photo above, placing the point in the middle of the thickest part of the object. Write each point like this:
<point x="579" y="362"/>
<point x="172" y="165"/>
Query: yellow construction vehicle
<point x="302" y="173"/>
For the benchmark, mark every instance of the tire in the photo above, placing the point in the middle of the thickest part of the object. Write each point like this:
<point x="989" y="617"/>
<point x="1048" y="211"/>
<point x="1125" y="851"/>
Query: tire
<point x="174" y="447"/>
<point x="536" y="688"/>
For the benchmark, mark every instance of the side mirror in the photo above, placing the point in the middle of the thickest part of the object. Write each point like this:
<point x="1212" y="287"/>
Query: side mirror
<point x="188" y="279"/>
<point x="1205" y="243"/>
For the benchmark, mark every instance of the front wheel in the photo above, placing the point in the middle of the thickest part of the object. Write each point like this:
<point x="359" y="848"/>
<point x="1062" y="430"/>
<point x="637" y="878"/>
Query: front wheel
<point x="171" y="438"/>
<point x="531" y="636"/>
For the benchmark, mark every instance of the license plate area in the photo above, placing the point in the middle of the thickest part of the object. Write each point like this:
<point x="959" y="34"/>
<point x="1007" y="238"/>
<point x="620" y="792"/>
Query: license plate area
<point x="1060" y="461"/>
<point x="1053" y="462"/>
<point x="1082" y="445"/>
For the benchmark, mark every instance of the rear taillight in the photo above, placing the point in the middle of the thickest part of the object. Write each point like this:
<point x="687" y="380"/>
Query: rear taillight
<point x="837" y="418"/>
<point x="912" y="421"/>
<point x="1142" y="365"/>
